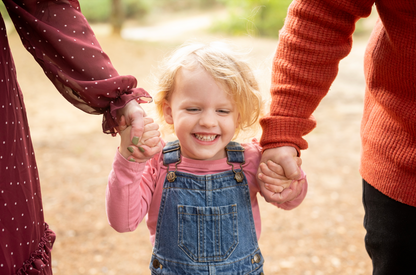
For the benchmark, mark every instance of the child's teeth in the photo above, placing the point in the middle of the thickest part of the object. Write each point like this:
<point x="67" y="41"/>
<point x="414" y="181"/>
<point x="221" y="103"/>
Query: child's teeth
<point x="205" y="137"/>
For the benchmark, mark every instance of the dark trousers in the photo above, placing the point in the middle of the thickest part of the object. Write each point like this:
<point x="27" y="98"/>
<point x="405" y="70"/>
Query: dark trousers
<point x="391" y="233"/>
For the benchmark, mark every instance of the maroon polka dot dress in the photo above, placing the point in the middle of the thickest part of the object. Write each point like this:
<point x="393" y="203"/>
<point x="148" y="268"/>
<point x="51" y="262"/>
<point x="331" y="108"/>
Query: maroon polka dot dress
<point x="61" y="41"/>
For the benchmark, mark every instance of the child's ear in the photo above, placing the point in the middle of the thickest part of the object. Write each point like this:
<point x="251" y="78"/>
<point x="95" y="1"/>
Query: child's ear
<point x="238" y="120"/>
<point x="167" y="112"/>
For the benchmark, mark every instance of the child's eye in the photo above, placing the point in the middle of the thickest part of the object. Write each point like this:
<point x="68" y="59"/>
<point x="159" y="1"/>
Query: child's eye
<point x="192" y="109"/>
<point x="223" y="111"/>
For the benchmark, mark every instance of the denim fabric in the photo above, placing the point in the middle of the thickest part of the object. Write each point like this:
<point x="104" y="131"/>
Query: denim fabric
<point x="171" y="152"/>
<point x="205" y="226"/>
<point x="234" y="154"/>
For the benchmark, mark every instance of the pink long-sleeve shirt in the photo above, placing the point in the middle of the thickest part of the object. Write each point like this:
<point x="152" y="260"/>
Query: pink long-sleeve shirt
<point x="135" y="189"/>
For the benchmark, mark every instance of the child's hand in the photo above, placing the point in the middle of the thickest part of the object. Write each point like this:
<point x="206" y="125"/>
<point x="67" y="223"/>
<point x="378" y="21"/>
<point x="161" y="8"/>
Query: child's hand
<point x="131" y="115"/>
<point x="142" y="149"/>
<point x="273" y="174"/>
<point x="289" y="194"/>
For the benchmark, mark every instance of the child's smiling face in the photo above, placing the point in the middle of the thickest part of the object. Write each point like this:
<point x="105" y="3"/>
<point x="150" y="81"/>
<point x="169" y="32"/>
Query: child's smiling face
<point x="203" y="114"/>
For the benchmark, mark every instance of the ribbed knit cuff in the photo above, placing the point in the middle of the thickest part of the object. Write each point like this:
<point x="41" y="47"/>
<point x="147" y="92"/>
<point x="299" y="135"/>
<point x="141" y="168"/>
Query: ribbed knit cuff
<point x="285" y="131"/>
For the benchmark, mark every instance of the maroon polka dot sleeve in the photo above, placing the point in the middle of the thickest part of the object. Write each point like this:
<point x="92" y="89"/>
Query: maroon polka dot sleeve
<point x="62" y="42"/>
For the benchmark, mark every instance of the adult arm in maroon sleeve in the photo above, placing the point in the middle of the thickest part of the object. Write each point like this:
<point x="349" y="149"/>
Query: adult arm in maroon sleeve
<point x="60" y="39"/>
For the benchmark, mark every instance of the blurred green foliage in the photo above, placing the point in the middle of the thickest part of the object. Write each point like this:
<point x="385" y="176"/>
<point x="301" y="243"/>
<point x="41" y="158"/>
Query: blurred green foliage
<point x="254" y="17"/>
<point x="179" y="5"/>
<point x="96" y="10"/>
<point x="100" y="10"/>
<point x="3" y="11"/>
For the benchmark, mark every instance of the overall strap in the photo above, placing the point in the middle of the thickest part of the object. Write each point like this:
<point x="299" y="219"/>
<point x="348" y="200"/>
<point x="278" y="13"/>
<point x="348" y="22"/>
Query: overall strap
<point x="235" y="152"/>
<point x="171" y="152"/>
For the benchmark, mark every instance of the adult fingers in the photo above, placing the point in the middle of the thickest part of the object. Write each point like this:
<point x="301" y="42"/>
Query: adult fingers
<point x="273" y="181"/>
<point x="287" y="158"/>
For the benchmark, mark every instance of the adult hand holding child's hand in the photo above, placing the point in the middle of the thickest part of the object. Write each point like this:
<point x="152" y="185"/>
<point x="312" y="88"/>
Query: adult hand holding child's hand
<point x="140" y="138"/>
<point x="278" y="174"/>
<point x="146" y="146"/>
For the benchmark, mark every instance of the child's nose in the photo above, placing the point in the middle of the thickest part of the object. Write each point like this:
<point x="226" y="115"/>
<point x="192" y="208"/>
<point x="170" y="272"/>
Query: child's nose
<point x="208" y="120"/>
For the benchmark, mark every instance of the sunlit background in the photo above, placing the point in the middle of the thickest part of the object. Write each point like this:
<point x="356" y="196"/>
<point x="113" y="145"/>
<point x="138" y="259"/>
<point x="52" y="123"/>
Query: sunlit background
<point x="322" y="236"/>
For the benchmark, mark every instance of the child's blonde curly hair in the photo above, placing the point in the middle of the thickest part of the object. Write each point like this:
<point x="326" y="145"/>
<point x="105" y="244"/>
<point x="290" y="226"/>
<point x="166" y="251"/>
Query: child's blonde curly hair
<point x="225" y="66"/>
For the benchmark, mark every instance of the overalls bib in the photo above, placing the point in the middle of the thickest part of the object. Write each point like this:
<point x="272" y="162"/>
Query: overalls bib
<point x="205" y="224"/>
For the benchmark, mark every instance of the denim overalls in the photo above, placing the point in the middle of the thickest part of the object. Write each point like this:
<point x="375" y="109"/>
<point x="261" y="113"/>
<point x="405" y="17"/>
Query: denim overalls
<point x="205" y="224"/>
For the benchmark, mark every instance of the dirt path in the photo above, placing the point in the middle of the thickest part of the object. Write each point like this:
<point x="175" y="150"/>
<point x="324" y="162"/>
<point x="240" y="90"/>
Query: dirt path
<point x="322" y="236"/>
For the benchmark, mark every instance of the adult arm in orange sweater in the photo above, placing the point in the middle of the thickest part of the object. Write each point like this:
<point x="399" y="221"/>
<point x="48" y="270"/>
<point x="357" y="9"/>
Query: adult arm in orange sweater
<point x="317" y="34"/>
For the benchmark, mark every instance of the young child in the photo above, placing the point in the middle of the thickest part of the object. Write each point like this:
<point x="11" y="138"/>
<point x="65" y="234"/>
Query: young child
<point x="199" y="193"/>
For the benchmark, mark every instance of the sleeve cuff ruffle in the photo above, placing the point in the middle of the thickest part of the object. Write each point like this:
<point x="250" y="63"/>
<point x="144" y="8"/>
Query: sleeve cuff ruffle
<point x="40" y="259"/>
<point x="110" y="116"/>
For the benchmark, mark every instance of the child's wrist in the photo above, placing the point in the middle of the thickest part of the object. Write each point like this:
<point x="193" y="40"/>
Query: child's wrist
<point x="124" y="152"/>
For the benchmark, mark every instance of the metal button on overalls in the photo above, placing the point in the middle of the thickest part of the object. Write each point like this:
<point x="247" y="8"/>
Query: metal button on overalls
<point x="257" y="258"/>
<point x="156" y="263"/>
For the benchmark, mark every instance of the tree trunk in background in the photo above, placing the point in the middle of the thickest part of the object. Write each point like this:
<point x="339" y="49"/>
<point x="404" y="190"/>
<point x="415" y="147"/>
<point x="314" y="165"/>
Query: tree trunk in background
<point x="117" y="16"/>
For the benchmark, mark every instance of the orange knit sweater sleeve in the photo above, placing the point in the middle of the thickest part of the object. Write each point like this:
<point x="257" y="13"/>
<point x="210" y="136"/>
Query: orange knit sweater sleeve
<point x="317" y="34"/>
